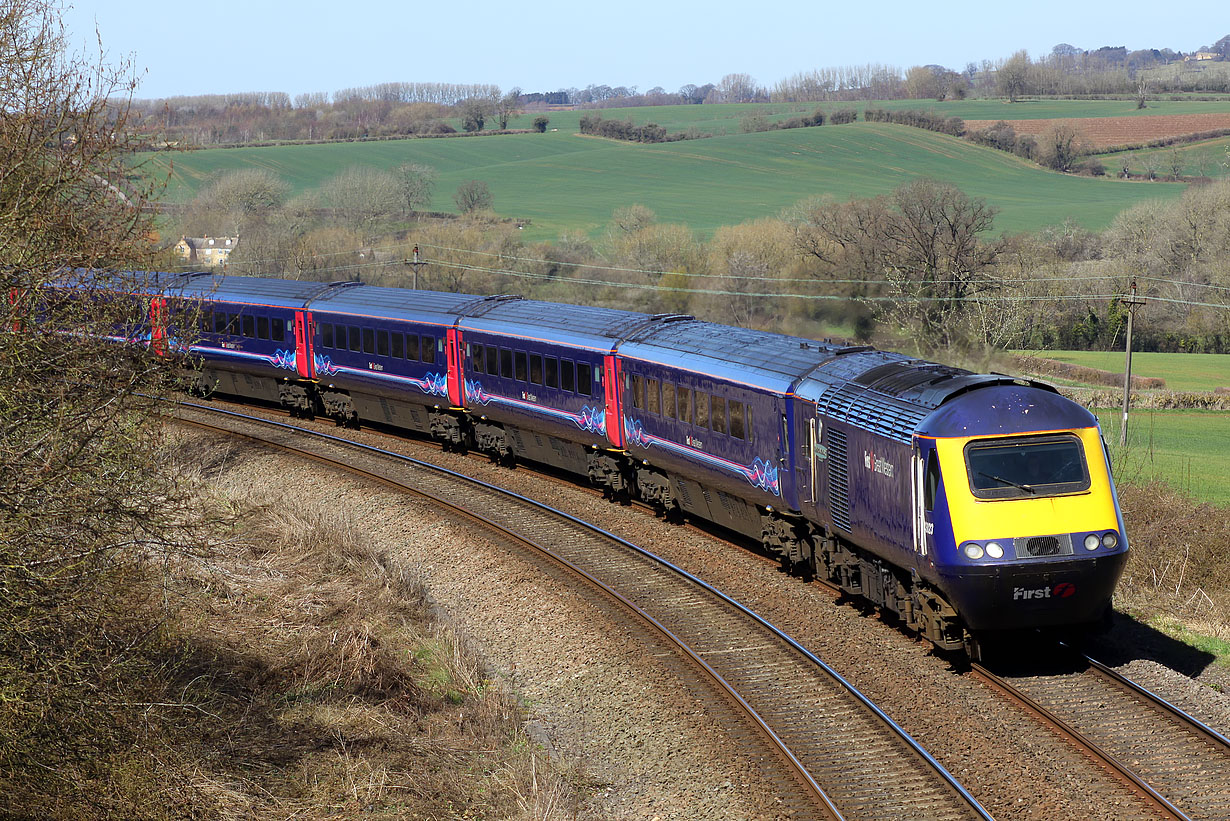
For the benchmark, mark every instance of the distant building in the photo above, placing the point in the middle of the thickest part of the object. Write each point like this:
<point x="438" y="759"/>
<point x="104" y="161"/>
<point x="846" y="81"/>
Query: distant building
<point x="210" y="251"/>
<point x="1201" y="56"/>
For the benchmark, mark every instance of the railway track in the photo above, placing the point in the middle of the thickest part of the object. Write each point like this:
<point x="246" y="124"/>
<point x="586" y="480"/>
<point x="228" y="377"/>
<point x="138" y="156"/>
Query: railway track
<point x="1178" y="766"/>
<point x="832" y="753"/>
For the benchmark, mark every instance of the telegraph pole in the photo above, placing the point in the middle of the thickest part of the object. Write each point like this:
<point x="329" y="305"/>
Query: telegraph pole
<point x="1131" y="302"/>
<point x="416" y="262"/>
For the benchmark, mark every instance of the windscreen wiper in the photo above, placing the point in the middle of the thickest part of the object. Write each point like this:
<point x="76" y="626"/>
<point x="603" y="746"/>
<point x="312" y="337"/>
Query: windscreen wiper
<point x="1026" y="488"/>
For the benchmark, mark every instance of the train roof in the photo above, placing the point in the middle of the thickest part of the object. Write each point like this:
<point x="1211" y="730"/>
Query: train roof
<point x="891" y="393"/>
<point x="281" y="293"/>
<point x="757" y="358"/>
<point x="357" y="299"/>
<point x="579" y="325"/>
<point x="1003" y="409"/>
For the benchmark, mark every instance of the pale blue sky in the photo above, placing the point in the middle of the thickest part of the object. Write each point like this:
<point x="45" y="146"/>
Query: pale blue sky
<point x="231" y="46"/>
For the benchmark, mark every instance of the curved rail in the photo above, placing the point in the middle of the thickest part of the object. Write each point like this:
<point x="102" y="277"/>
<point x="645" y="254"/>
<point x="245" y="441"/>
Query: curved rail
<point x="717" y="666"/>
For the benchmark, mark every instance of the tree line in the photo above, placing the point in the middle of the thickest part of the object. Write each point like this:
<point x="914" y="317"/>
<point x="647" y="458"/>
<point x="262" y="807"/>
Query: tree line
<point x="419" y="108"/>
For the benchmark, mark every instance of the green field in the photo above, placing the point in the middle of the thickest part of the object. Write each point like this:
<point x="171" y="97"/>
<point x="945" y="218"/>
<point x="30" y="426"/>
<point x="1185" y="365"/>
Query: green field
<point x="1210" y="158"/>
<point x="1184" y="449"/>
<point x="562" y="181"/>
<point x="1182" y="371"/>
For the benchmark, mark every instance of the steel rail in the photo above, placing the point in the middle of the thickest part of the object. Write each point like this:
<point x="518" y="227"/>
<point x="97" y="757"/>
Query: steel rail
<point x="752" y="716"/>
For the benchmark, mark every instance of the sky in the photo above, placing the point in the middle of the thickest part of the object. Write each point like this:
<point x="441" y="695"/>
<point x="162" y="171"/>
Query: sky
<point x="232" y="46"/>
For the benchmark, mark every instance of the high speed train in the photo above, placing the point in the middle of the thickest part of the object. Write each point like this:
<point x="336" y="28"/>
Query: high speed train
<point x="963" y="504"/>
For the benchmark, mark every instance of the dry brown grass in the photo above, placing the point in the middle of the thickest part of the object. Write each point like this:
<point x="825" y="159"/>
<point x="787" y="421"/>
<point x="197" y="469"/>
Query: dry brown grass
<point x="1179" y="564"/>
<point x="302" y="673"/>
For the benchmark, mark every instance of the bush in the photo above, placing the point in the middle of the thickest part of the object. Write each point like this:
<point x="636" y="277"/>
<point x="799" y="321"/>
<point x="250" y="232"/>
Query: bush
<point x="540" y="123"/>
<point x="929" y="120"/>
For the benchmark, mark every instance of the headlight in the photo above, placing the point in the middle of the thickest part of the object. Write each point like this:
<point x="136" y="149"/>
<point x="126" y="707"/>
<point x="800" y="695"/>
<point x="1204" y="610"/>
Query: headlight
<point x="994" y="550"/>
<point x="1092" y="541"/>
<point x="973" y="551"/>
<point x="1110" y="540"/>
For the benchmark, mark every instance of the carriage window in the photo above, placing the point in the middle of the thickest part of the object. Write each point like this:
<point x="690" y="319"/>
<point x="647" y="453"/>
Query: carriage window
<point x="702" y="410"/>
<point x="718" y="414"/>
<point x="685" y="405"/>
<point x="249" y="327"/>
<point x="207" y="322"/>
<point x="638" y="392"/>
<point x="736" y="420"/>
<point x="369" y="340"/>
<point x="521" y="369"/>
<point x="382" y="343"/>
<point x="412" y="347"/>
<point x="399" y="345"/>
<point x="493" y="360"/>
<point x="567" y="375"/>
<point x="429" y="349"/>
<point x="476" y="357"/>
<point x="220" y="323"/>
<point x="536" y="368"/>
<point x="277" y="330"/>
<point x="668" y="399"/>
<point x="326" y="335"/>
<point x="552" y="372"/>
<point x="506" y="363"/>
<point x="652" y="396"/>
<point x="262" y="327"/>
<point x="585" y="379"/>
<point x="748" y="424"/>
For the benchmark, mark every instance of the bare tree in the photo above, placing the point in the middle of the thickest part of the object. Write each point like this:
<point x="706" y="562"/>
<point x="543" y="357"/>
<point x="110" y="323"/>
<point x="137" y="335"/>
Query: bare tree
<point x="416" y="183"/>
<point x="83" y="500"/>
<point x="1012" y="78"/>
<point x="472" y="196"/>
<point x="362" y="197"/>
<point x="506" y="107"/>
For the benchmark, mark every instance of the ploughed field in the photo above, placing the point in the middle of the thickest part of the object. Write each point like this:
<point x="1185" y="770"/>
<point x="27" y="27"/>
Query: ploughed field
<point x="1106" y="132"/>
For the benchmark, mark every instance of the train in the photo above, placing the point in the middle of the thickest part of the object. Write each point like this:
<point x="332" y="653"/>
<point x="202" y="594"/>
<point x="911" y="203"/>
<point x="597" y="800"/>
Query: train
<point x="967" y="506"/>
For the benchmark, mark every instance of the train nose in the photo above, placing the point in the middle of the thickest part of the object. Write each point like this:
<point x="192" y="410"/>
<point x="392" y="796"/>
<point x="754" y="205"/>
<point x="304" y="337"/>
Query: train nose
<point x="1038" y="595"/>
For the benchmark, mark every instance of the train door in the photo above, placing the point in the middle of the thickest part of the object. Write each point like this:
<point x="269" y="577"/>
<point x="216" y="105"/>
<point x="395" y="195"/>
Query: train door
<point x="452" y="355"/>
<point x="158" y="326"/>
<point x="926" y="491"/>
<point x="610" y="383"/>
<point x="808" y="431"/>
<point x="305" y="364"/>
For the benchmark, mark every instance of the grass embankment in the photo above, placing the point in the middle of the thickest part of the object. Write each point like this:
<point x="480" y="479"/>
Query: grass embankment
<point x="1178" y="573"/>
<point x="298" y="674"/>
<point x="564" y="182"/>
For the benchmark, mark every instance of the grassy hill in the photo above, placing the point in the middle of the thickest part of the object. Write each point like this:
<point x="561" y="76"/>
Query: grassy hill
<point x="1182" y="371"/>
<point x="1209" y="158"/>
<point x="562" y="181"/>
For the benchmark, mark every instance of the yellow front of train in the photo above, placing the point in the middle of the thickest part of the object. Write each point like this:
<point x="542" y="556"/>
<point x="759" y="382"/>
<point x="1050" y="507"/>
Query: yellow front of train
<point x="1037" y="538"/>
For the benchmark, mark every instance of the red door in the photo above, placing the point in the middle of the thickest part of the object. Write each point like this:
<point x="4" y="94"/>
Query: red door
<point x="305" y="366"/>
<point x="452" y="350"/>
<point x="611" y="373"/>
<point x="158" y="326"/>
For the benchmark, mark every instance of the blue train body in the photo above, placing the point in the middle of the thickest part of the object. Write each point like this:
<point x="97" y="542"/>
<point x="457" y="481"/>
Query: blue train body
<point x="962" y="503"/>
